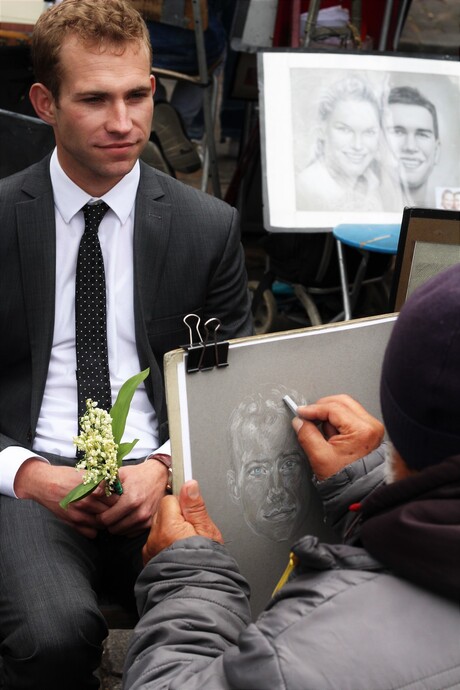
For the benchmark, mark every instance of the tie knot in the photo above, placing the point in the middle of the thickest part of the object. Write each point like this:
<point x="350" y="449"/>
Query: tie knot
<point x="93" y="214"/>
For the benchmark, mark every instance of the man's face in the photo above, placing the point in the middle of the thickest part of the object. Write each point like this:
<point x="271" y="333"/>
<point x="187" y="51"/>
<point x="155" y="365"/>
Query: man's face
<point x="448" y="200"/>
<point x="272" y="481"/>
<point x="410" y="133"/>
<point x="103" y="118"/>
<point x="351" y="138"/>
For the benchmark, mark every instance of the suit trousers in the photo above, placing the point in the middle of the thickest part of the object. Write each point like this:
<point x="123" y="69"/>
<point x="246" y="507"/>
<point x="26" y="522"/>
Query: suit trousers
<point x="51" y="629"/>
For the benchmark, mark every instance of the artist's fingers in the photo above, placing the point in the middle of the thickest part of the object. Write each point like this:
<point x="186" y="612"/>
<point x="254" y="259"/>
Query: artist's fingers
<point x="194" y="511"/>
<point x="312" y="441"/>
<point x="168" y="525"/>
<point x="341" y="413"/>
<point x="350" y="432"/>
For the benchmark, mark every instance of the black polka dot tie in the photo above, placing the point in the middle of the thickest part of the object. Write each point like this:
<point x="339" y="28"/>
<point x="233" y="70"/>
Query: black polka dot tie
<point x="93" y="377"/>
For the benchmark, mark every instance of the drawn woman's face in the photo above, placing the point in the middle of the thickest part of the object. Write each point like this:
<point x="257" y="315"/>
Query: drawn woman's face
<point x="351" y="138"/>
<point x="272" y="481"/>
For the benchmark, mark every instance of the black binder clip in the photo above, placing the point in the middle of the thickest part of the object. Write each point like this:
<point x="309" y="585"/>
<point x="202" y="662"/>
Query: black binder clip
<point x="205" y="354"/>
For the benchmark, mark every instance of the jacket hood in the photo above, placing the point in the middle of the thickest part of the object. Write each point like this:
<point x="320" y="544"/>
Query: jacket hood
<point x="413" y="527"/>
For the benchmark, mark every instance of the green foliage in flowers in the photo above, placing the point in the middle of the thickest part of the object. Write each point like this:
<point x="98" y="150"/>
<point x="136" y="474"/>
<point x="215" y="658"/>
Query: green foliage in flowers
<point x="100" y="441"/>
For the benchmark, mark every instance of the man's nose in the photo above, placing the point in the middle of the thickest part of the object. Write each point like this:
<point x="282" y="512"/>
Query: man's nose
<point x="275" y="488"/>
<point x="119" y="119"/>
<point x="410" y="142"/>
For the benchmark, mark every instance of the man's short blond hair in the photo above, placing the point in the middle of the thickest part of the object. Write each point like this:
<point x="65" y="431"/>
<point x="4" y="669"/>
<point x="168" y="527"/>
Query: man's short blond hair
<point x="101" y="23"/>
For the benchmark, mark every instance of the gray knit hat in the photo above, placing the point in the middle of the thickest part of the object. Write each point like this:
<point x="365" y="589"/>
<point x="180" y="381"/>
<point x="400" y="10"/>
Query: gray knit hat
<point x="420" y="383"/>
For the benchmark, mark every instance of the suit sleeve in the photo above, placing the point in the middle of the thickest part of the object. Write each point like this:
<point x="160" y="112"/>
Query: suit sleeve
<point x="228" y="296"/>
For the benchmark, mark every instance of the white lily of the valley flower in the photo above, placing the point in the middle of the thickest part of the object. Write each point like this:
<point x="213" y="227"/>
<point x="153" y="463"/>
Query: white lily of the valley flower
<point x="98" y="445"/>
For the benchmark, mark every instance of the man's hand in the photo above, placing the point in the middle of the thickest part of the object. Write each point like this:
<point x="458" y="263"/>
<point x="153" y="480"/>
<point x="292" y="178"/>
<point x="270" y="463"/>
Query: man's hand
<point x="133" y="511"/>
<point x="349" y="433"/>
<point x="48" y="484"/>
<point x="179" y="518"/>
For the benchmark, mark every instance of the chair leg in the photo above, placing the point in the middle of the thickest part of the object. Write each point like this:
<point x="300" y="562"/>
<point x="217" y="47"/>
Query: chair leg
<point x="344" y="282"/>
<point x="308" y="304"/>
<point x="210" y="163"/>
<point x="209" y="120"/>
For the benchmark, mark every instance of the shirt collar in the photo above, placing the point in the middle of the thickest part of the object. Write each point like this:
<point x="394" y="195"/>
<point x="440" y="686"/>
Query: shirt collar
<point x="69" y="198"/>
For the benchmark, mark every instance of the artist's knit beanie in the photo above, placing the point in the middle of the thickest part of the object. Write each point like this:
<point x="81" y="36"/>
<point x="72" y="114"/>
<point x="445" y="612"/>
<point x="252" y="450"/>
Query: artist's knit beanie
<point x="420" y="382"/>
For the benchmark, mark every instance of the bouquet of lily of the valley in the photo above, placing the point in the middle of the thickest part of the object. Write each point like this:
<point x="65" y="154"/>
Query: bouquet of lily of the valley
<point x="100" y="443"/>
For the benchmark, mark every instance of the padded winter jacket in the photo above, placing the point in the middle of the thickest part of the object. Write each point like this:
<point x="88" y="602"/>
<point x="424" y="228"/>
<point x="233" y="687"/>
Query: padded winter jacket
<point x="342" y="622"/>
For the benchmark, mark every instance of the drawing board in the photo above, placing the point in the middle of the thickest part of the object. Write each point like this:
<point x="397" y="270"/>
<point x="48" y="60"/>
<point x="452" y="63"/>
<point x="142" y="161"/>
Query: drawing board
<point x="253" y="476"/>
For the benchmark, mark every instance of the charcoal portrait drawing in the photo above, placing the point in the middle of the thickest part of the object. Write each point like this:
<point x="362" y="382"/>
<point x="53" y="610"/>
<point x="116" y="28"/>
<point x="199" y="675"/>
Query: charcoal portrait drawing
<point x="269" y="476"/>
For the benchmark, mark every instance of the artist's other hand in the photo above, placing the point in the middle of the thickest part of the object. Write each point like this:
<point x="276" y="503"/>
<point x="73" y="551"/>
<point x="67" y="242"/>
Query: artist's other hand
<point x="48" y="484"/>
<point x="348" y="433"/>
<point x="133" y="511"/>
<point x="179" y="518"/>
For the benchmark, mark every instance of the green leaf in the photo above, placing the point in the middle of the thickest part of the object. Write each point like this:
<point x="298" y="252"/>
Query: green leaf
<point x="79" y="492"/>
<point x="124" y="449"/>
<point x="120" y="409"/>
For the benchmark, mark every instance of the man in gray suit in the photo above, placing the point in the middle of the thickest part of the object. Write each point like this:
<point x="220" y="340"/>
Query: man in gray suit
<point x="168" y="250"/>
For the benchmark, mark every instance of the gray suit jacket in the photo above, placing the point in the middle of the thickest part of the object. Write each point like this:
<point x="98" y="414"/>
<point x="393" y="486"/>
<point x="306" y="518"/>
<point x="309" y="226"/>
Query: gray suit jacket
<point x="187" y="259"/>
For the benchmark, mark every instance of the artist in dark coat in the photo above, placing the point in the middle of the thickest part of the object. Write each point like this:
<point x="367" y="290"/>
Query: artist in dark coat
<point x="380" y="611"/>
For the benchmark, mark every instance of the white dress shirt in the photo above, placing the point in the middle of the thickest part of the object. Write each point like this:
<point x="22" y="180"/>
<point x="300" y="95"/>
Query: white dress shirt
<point x="57" y="423"/>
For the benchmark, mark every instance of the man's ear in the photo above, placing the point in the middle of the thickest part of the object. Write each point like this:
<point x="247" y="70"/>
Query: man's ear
<point x="233" y="488"/>
<point x="43" y="103"/>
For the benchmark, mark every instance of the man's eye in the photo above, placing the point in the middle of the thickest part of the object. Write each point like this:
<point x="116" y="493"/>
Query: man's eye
<point x="257" y="471"/>
<point x="290" y="465"/>
<point x="138" y="96"/>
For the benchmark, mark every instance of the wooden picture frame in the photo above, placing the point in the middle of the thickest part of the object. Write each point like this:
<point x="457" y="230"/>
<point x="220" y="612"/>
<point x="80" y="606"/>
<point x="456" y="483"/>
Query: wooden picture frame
<point x="429" y="242"/>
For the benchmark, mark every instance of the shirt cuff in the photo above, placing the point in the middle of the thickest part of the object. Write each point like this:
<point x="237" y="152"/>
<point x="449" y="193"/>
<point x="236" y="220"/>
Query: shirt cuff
<point x="165" y="448"/>
<point x="11" y="459"/>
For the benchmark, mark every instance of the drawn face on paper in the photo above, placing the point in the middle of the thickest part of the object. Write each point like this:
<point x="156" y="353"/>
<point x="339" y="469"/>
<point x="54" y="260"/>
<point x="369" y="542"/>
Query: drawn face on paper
<point x="351" y="137"/>
<point x="270" y="476"/>
<point x="411" y="136"/>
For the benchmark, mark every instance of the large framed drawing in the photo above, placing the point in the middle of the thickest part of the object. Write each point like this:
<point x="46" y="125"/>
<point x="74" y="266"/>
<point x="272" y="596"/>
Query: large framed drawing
<point x="429" y="242"/>
<point x="354" y="138"/>
<point x="231" y="431"/>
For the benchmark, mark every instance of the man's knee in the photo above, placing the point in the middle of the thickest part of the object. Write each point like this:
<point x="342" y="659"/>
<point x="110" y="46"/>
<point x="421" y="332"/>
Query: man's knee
<point x="55" y="651"/>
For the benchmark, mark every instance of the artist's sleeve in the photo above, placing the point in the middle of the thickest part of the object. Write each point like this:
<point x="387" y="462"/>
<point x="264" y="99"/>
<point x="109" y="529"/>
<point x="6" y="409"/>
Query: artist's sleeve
<point x="193" y="605"/>
<point x="228" y="296"/>
<point x="349" y="486"/>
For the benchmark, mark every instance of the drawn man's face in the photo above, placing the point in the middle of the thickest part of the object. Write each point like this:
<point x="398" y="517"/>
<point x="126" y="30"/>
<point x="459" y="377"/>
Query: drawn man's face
<point x="351" y="137"/>
<point x="411" y="137"/>
<point x="271" y="482"/>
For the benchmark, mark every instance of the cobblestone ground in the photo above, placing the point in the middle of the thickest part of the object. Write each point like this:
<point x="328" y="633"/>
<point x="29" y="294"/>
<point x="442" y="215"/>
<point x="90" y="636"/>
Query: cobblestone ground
<point x="113" y="659"/>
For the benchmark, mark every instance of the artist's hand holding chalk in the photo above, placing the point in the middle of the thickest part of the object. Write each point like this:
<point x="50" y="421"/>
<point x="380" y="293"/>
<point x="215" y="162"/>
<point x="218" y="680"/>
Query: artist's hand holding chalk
<point x="348" y="432"/>
<point x="179" y="518"/>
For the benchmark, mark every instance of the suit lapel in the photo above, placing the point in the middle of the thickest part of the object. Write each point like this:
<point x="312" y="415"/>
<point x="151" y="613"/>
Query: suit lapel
<point x="151" y="241"/>
<point x="37" y="249"/>
<point x="151" y="235"/>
